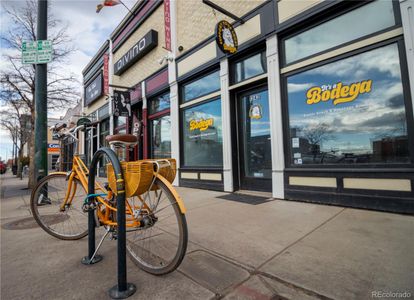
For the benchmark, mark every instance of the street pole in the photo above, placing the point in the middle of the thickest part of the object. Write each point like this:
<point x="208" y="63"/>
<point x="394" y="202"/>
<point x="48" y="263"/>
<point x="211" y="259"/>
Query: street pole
<point x="41" y="99"/>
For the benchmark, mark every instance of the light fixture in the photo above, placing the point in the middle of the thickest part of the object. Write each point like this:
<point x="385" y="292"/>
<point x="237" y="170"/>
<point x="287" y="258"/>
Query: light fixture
<point x="168" y="57"/>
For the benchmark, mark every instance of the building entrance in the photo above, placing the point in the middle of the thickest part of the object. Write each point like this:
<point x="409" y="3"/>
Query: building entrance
<point x="253" y="140"/>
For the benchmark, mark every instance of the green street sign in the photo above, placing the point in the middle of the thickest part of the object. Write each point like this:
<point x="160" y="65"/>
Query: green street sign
<point x="37" y="52"/>
<point x="29" y="52"/>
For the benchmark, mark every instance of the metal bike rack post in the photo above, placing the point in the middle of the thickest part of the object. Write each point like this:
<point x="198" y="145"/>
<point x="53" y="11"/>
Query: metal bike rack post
<point x="123" y="289"/>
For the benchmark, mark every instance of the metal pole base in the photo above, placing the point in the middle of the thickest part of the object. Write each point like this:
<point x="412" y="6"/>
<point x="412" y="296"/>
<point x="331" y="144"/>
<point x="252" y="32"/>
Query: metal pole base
<point x="114" y="293"/>
<point x="94" y="260"/>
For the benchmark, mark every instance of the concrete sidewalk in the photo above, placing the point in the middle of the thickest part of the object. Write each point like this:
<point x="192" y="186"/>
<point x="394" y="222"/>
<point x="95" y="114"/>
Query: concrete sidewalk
<point x="266" y="249"/>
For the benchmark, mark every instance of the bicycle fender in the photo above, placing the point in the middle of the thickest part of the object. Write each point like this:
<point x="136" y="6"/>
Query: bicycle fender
<point x="175" y="194"/>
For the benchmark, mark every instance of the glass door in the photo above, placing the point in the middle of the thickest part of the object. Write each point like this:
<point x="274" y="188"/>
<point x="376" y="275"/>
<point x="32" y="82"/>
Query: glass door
<point x="255" y="163"/>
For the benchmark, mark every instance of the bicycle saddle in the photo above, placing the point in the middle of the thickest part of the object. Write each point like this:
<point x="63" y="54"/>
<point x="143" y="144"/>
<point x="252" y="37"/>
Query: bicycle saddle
<point x="123" y="139"/>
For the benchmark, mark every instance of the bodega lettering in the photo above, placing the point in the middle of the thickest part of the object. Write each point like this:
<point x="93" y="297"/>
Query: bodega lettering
<point x="201" y="124"/>
<point x="339" y="93"/>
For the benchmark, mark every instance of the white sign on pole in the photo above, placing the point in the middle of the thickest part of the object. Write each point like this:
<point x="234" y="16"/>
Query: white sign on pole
<point x="29" y="52"/>
<point x="37" y="52"/>
<point x="44" y="52"/>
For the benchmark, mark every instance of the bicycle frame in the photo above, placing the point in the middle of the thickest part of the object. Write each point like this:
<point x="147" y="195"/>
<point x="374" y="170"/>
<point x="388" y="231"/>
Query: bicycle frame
<point x="105" y="209"/>
<point x="80" y="172"/>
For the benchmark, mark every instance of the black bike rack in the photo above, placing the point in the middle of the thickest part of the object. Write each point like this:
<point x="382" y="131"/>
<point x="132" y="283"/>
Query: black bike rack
<point x="123" y="289"/>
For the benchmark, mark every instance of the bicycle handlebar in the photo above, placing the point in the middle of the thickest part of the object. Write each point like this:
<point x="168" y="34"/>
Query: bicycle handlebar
<point x="72" y="131"/>
<point x="60" y="127"/>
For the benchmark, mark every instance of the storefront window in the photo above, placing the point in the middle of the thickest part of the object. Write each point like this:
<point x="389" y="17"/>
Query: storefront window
<point x="250" y="67"/>
<point x="103" y="111"/>
<point x="355" y="24"/>
<point x="161" y="137"/>
<point x="159" y="103"/>
<point x="203" y="135"/>
<point x="201" y="87"/>
<point x="103" y="132"/>
<point x="87" y="147"/>
<point x="351" y="111"/>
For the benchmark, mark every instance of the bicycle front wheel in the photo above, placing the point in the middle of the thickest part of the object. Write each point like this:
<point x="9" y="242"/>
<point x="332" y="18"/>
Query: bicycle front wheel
<point x="158" y="246"/>
<point x="68" y="222"/>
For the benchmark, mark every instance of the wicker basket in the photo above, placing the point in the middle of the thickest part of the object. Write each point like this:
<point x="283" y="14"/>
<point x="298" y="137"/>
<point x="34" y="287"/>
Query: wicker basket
<point x="138" y="175"/>
<point x="168" y="169"/>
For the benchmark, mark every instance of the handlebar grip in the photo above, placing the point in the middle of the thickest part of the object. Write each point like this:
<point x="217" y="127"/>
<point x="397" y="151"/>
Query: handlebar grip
<point x="57" y="128"/>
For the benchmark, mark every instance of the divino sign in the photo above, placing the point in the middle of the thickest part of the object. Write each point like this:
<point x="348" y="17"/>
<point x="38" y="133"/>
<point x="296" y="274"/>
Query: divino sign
<point x="141" y="48"/>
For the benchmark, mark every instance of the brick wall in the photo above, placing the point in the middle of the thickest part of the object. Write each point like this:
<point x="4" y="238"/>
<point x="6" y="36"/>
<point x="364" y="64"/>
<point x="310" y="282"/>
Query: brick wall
<point x="149" y="63"/>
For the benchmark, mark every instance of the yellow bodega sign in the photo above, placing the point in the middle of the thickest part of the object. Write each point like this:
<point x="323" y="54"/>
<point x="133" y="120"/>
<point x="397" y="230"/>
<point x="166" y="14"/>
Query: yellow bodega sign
<point x="339" y="93"/>
<point x="201" y="124"/>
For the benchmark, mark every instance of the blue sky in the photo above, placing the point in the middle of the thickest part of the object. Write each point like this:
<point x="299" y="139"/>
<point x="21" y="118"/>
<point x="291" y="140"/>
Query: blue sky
<point x="88" y="30"/>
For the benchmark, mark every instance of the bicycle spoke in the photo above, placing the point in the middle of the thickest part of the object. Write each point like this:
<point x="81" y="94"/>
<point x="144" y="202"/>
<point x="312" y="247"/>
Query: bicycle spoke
<point x="158" y="246"/>
<point x="71" y="223"/>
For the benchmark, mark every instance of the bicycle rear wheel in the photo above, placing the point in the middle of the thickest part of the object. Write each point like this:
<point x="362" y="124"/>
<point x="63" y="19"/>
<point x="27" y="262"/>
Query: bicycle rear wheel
<point x="46" y="200"/>
<point x="159" y="246"/>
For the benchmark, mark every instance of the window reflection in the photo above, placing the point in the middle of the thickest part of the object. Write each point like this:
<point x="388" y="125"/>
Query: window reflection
<point x="161" y="138"/>
<point x="250" y="67"/>
<point x="203" y="135"/>
<point x="120" y="121"/>
<point x="159" y="103"/>
<point x="349" y="111"/>
<point x="202" y="86"/>
<point x="103" y="132"/>
<point x="362" y="21"/>
<point x="255" y="135"/>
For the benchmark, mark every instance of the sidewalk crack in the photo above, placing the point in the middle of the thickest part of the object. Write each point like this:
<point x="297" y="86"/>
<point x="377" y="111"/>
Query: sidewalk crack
<point x="300" y="239"/>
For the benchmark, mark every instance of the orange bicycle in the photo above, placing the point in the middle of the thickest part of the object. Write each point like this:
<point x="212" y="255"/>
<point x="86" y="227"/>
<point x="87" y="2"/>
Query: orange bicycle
<point x="156" y="238"/>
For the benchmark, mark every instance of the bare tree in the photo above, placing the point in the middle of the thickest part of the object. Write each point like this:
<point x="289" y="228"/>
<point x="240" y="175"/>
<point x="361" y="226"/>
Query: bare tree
<point x="316" y="134"/>
<point x="11" y="127"/>
<point x="14" y="121"/>
<point x="19" y="79"/>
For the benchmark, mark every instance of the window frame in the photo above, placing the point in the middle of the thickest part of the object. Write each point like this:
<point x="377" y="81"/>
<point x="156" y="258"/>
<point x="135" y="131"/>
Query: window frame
<point x="198" y="77"/>
<point x="102" y="141"/>
<point x="151" y="133"/>
<point x="360" y="166"/>
<point x="332" y="15"/>
<point x="157" y="115"/>
<point x="232" y="66"/>
<point x="181" y="128"/>
<point x="165" y="110"/>
<point x="120" y="127"/>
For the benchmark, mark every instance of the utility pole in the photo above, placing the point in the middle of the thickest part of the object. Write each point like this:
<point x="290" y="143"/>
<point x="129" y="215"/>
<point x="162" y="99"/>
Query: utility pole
<point x="41" y="99"/>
